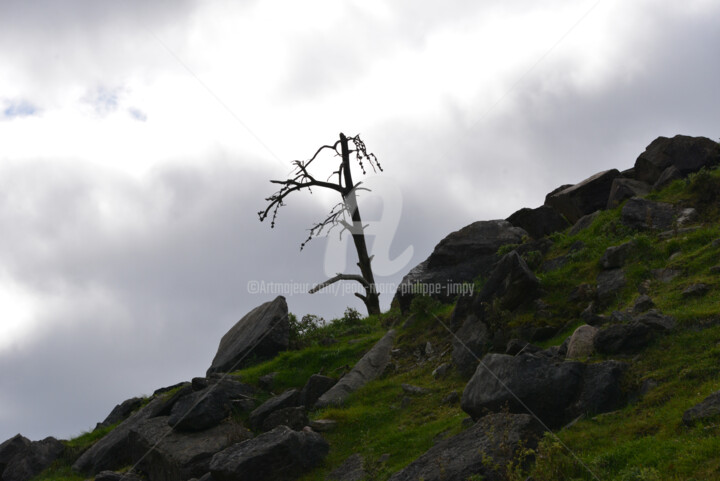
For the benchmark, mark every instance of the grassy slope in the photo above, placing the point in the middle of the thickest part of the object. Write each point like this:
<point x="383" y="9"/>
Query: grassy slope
<point x="643" y="441"/>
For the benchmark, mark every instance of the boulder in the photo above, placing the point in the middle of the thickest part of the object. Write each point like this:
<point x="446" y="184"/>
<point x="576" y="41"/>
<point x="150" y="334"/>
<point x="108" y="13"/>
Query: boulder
<point x="260" y="334"/>
<point x="294" y="417"/>
<point x="206" y="408"/>
<point x="623" y="338"/>
<point x="539" y="222"/>
<point x="623" y="189"/>
<point x="668" y="176"/>
<point x="581" y="342"/>
<point x="496" y="437"/>
<point x="555" y="391"/>
<point x="290" y="398"/>
<point x="315" y="387"/>
<point x="709" y="408"/>
<point x="516" y="346"/>
<point x="367" y="369"/>
<point x="276" y="455"/>
<point x="616" y="256"/>
<point x="511" y="282"/>
<point x="115" y="476"/>
<point x="642" y="304"/>
<point x="609" y="284"/>
<point x="460" y="257"/>
<point x="22" y="459"/>
<point x="686" y="154"/>
<point x="695" y="290"/>
<point x="644" y="214"/>
<point x="583" y="223"/>
<point x="352" y="469"/>
<point x="121" y="411"/>
<point x="469" y="344"/>
<point x="113" y="450"/>
<point x="585" y="197"/>
<point x="656" y="321"/>
<point x="167" y="455"/>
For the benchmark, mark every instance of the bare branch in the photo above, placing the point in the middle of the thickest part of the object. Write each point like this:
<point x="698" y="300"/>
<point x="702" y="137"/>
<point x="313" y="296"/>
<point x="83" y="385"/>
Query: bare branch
<point x="340" y="277"/>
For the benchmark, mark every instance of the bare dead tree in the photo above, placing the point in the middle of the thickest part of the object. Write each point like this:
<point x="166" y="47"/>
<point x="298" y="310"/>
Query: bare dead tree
<point x="300" y="179"/>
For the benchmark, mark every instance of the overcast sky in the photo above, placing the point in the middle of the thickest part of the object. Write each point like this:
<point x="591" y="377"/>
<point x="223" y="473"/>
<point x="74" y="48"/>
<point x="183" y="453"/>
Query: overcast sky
<point x="137" y="140"/>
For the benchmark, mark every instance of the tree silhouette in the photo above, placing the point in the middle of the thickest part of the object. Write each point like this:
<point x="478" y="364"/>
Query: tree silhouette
<point x="300" y="179"/>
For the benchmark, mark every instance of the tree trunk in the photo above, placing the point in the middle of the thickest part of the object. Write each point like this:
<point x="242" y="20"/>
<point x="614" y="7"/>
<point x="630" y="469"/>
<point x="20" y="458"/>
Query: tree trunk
<point x="371" y="298"/>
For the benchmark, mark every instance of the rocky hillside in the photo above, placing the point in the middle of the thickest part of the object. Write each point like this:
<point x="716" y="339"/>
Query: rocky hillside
<point x="584" y="345"/>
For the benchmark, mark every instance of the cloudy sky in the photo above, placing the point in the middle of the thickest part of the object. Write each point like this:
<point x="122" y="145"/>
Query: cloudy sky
<point x="137" y="140"/>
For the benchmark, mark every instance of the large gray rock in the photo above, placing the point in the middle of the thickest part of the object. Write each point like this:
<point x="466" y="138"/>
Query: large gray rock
<point x="709" y="408"/>
<point x="555" y="391"/>
<point x="352" y="469"/>
<point x="495" y="438"/>
<point x="288" y="399"/>
<point x="623" y="189"/>
<point x="207" y="407"/>
<point x="616" y="256"/>
<point x="609" y="284"/>
<point x="646" y="214"/>
<point x="623" y="338"/>
<point x="581" y="342"/>
<point x="686" y="154"/>
<point x="260" y="334"/>
<point x="293" y="417"/>
<point x="511" y="282"/>
<point x="166" y="455"/>
<point x="367" y="369"/>
<point x="460" y="257"/>
<point x="539" y="222"/>
<point x="113" y="451"/>
<point x="276" y="455"/>
<point x="122" y="411"/>
<point x="585" y="197"/>
<point x="469" y="344"/>
<point x="315" y="387"/>
<point x="22" y="459"/>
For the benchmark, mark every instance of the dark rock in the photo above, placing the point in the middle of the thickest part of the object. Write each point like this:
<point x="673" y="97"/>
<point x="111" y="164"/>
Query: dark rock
<point x="708" y="409"/>
<point x="616" y="256"/>
<point x="469" y="344"/>
<point x="585" y="197"/>
<point x="657" y="321"/>
<point x="583" y="223"/>
<point x="516" y="346"/>
<point x="643" y="303"/>
<point x="696" y="290"/>
<point x="323" y="425"/>
<point x="609" y="284"/>
<point x="496" y="437"/>
<point x="352" y="469"/>
<point x="22" y="459"/>
<point x="619" y="317"/>
<point x="543" y="333"/>
<point x="166" y="455"/>
<point x="295" y="418"/>
<point x="555" y="191"/>
<point x="288" y="399"/>
<point x="199" y="383"/>
<point x="582" y="293"/>
<point x="113" y="451"/>
<point x="555" y="391"/>
<point x="414" y="390"/>
<point x="686" y="154"/>
<point x="647" y="214"/>
<point x="276" y="455"/>
<point x="715" y="269"/>
<point x="511" y="282"/>
<point x="166" y="389"/>
<point x="204" y="409"/>
<point x="666" y="275"/>
<point x="623" y="189"/>
<point x="590" y="317"/>
<point x="316" y="386"/>
<point x="581" y="342"/>
<point x="452" y="398"/>
<point x="668" y="175"/>
<point x="623" y="338"/>
<point x="267" y="381"/>
<point x="367" y="369"/>
<point x="460" y="257"/>
<point x="122" y="411"/>
<point x="260" y="334"/>
<point x="539" y="222"/>
<point x="542" y="385"/>
<point x="554" y="264"/>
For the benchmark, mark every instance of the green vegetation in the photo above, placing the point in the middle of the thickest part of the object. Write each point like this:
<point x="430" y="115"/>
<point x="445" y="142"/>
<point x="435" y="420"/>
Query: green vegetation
<point x="646" y="440"/>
